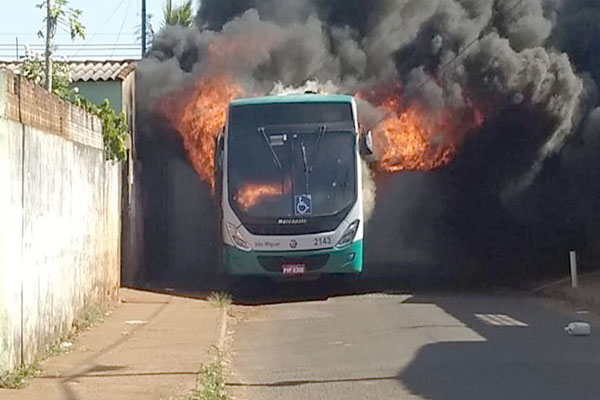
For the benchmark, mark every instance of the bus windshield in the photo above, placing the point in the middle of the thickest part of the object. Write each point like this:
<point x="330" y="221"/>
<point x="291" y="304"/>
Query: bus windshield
<point x="292" y="160"/>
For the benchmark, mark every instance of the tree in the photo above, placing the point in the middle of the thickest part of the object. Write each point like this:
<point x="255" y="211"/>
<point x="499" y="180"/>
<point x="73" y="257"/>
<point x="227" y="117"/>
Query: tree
<point x="33" y="68"/>
<point x="149" y="31"/>
<point x="114" y="126"/>
<point x="58" y="14"/>
<point x="178" y="15"/>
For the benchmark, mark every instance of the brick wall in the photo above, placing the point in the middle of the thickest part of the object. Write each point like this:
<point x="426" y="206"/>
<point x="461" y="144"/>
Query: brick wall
<point x="31" y="105"/>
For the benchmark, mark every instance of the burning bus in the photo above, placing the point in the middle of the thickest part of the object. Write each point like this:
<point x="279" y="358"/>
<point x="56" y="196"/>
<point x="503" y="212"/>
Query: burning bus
<point x="289" y="186"/>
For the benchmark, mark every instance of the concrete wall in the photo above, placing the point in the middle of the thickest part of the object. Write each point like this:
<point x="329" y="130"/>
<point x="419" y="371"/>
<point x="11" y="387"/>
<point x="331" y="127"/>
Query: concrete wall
<point x="132" y="230"/>
<point x="121" y="94"/>
<point x="128" y="99"/>
<point x="60" y="206"/>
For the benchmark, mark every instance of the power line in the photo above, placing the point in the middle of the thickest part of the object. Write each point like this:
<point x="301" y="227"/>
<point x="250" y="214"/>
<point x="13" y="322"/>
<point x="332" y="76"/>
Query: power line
<point x="62" y="34"/>
<point x="73" y="45"/>
<point x="73" y="51"/>
<point x="105" y="23"/>
<point x="122" y="25"/>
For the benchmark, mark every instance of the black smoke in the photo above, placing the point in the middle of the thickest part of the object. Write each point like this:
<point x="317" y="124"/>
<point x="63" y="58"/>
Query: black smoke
<point x="523" y="188"/>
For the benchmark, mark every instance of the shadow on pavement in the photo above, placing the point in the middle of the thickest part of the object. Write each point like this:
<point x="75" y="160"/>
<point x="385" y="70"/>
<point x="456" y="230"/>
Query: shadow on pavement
<point x="537" y="361"/>
<point x="312" y="382"/>
<point x="260" y="291"/>
<point x="506" y="361"/>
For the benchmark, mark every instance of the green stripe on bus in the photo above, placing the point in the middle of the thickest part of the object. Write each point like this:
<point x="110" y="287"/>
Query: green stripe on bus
<point x="292" y="98"/>
<point x="347" y="260"/>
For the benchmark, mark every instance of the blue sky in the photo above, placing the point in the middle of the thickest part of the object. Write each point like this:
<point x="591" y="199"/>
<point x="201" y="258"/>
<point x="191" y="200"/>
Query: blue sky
<point x="103" y="20"/>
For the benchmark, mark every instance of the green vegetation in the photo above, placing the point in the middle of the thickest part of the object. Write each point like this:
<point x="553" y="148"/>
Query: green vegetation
<point x="219" y="299"/>
<point x="211" y="383"/>
<point x="19" y="378"/>
<point x="58" y="14"/>
<point x="211" y="378"/>
<point x="66" y="17"/>
<point x="57" y="348"/>
<point x="57" y="78"/>
<point x="91" y="316"/>
<point x="114" y="126"/>
<point x="114" y="131"/>
<point x="33" y="69"/>
<point x="182" y="15"/>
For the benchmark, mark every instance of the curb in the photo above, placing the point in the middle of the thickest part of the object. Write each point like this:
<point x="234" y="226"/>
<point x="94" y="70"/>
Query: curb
<point x="563" y="280"/>
<point x="558" y="290"/>
<point x="222" y="330"/>
<point x="592" y="304"/>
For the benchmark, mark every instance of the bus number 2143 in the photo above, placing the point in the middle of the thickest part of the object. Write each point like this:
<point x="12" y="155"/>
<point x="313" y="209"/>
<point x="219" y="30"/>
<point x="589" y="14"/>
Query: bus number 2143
<point x="323" y="241"/>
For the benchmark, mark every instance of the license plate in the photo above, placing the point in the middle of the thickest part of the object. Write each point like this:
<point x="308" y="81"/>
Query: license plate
<point x="293" y="269"/>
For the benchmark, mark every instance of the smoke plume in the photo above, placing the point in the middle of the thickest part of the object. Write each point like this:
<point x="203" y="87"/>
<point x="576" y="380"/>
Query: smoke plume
<point x="501" y="87"/>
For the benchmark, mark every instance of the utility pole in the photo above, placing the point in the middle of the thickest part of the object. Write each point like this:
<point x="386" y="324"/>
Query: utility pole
<point x="48" y="45"/>
<point x="143" y="28"/>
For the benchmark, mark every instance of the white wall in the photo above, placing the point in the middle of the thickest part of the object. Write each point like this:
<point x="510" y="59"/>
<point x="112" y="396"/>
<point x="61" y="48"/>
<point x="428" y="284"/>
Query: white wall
<point x="59" y="221"/>
<point x="10" y="242"/>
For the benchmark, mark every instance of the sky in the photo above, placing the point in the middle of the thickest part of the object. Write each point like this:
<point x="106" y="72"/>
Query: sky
<point x="111" y="27"/>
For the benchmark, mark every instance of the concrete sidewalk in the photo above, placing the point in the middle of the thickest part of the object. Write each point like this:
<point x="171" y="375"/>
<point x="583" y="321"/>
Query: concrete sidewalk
<point x="587" y="295"/>
<point x="151" y="346"/>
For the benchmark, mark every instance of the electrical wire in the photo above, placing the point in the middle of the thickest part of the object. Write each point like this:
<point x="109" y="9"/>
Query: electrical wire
<point x="58" y="34"/>
<point x="105" y="23"/>
<point x="121" y="28"/>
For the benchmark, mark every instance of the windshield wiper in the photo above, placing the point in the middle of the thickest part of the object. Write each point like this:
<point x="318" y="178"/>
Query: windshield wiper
<point x="273" y="154"/>
<point x="322" y="131"/>
<point x="309" y="168"/>
<point x="306" y="171"/>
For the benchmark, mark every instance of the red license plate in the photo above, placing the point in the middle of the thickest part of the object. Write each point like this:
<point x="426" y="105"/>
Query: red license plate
<point x="293" y="269"/>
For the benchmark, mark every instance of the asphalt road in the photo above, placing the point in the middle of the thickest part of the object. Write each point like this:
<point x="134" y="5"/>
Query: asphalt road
<point x="413" y="346"/>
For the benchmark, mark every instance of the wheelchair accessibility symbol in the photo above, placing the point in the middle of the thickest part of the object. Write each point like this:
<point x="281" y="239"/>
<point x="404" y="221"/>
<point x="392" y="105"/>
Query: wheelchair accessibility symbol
<point x="303" y="204"/>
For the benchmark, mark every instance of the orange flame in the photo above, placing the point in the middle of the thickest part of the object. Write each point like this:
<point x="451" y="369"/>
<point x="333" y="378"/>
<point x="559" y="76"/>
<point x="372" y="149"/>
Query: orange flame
<point x="408" y="142"/>
<point x="414" y="139"/>
<point x="252" y="194"/>
<point x="199" y="115"/>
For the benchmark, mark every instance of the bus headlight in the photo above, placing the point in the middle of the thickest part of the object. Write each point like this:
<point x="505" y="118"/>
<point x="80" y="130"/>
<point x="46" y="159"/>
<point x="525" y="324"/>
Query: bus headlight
<point x="348" y="235"/>
<point x="237" y="238"/>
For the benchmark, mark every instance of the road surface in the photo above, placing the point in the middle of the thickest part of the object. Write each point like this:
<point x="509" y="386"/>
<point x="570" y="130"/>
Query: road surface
<point x="413" y="346"/>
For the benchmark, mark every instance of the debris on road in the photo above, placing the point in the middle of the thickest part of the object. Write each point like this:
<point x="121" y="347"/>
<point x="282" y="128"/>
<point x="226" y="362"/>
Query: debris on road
<point x="135" y="322"/>
<point x="578" y="329"/>
<point x="66" y="345"/>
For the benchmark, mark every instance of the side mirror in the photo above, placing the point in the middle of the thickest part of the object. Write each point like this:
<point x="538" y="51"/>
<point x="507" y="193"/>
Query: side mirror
<point x="366" y="143"/>
<point x="219" y="149"/>
<point x="219" y="155"/>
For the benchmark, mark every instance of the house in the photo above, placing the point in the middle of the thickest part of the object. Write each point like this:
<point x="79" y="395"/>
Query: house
<point x="113" y="80"/>
<point x="98" y="80"/>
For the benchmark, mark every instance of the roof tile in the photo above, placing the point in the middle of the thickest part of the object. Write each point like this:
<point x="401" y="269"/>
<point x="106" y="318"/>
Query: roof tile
<point x="84" y="71"/>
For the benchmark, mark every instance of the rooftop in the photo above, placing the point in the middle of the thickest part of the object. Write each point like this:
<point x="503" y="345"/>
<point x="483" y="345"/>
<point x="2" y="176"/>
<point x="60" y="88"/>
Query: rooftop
<point x="84" y="71"/>
<point x="294" y="98"/>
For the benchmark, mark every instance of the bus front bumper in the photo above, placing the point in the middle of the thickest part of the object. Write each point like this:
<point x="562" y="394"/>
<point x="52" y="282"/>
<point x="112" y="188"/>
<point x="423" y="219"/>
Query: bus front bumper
<point x="348" y="260"/>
